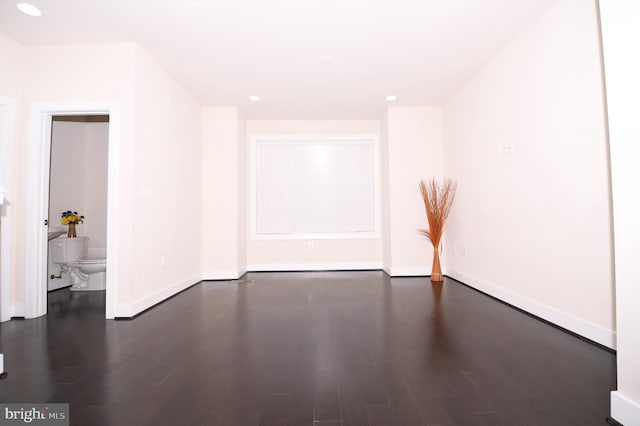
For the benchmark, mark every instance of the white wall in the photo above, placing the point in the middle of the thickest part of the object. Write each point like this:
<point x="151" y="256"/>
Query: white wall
<point x="158" y="164"/>
<point x="166" y="185"/>
<point x="322" y="254"/>
<point x="78" y="178"/>
<point x="11" y="68"/>
<point x="67" y="177"/>
<point x="243" y="205"/>
<point x="536" y="224"/>
<point x="384" y="189"/>
<point x="621" y="40"/>
<point x="72" y="75"/>
<point x="414" y="152"/>
<point x="12" y="61"/>
<point x="223" y="193"/>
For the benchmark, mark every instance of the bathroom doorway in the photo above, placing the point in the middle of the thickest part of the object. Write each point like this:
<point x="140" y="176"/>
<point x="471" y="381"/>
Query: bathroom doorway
<point x="78" y="172"/>
<point x="36" y="261"/>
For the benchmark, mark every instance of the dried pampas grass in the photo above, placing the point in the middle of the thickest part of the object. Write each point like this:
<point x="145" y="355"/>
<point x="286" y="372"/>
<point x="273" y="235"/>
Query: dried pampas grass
<point x="438" y="199"/>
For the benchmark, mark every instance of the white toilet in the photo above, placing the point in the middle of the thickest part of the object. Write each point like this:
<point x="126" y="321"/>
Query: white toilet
<point x="86" y="273"/>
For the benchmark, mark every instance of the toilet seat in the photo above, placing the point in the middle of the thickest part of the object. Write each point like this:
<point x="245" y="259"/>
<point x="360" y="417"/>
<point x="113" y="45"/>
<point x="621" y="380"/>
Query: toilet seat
<point x="85" y="273"/>
<point x="88" y="274"/>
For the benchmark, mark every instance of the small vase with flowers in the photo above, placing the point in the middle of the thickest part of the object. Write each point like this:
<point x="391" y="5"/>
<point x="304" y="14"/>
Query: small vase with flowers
<point x="71" y="219"/>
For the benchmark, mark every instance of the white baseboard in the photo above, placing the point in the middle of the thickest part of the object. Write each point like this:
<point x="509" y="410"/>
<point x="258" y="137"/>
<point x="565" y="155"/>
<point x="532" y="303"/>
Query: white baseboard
<point x="570" y="322"/>
<point x="624" y="410"/>
<point x="313" y="267"/>
<point x="222" y="275"/>
<point x="408" y="272"/>
<point x="131" y="310"/>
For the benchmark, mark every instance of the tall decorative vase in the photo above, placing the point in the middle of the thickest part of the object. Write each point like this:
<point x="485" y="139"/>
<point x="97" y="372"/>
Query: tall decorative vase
<point x="71" y="232"/>
<point x="436" y="271"/>
<point x="438" y="199"/>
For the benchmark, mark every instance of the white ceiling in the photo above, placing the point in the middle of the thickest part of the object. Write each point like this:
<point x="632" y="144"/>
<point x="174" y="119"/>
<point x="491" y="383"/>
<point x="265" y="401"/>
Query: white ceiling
<point x="224" y="51"/>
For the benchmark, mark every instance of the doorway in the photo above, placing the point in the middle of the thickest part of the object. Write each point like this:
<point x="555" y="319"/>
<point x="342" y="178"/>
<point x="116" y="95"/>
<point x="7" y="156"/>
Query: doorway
<point x="36" y="262"/>
<point x="78" y="185"/>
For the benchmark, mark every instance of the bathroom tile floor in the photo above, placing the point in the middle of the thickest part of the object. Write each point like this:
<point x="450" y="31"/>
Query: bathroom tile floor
<point x="313" y="348"/>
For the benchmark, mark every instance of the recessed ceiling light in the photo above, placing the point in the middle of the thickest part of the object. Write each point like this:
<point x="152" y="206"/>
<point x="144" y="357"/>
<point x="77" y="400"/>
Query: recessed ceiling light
<point x="391" y="98"/>
<point x="28" y="9"/>
<point x="254" y="98"/>
<point x="325" y="59"/>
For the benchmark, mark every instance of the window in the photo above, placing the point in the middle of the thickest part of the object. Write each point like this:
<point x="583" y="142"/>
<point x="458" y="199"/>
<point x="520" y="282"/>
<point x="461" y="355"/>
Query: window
<point x="315" y="187"/>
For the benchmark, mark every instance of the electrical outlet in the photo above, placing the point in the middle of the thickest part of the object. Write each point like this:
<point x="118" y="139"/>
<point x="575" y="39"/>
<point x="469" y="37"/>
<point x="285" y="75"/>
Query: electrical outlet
<point x="310" y="245"/>
<point x="461" y="250"/>
<point x="163" y="261"/>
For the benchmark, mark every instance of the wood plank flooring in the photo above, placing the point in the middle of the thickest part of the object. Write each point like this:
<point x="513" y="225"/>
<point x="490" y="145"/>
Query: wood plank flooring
<point x="312" y="348"/>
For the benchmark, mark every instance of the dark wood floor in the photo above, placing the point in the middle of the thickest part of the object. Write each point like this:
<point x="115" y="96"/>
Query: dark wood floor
<point x="334" y="348"/>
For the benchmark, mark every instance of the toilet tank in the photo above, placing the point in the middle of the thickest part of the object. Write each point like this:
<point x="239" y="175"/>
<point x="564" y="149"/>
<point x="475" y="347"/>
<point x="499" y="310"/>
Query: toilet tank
<point x="66" y="250"/>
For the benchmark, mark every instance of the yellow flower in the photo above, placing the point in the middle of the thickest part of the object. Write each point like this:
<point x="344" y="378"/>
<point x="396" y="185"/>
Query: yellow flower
<point x="71" y="217"/>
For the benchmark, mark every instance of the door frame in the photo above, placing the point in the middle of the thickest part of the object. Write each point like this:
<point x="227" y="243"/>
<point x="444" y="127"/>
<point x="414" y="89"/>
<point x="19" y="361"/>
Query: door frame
<point x="35" y="297"/>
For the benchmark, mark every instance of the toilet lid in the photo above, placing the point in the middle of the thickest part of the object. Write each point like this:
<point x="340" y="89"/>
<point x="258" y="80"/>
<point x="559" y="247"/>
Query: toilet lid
<point x="88" y="261"/>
